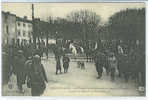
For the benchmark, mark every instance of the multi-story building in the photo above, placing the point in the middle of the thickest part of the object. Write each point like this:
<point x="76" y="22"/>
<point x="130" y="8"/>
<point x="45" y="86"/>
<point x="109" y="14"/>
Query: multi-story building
<point x="8" y="27"/>
<point x="24" y="29"/>
<point x="15" y="29"/>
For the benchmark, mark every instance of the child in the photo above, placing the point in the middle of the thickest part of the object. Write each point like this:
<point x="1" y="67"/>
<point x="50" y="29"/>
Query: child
<point x="66" y="61"/>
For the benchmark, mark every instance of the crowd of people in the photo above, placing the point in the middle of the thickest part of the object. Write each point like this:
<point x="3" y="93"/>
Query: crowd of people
<point x="25" y="62"/>
<point x="128" y="58"/>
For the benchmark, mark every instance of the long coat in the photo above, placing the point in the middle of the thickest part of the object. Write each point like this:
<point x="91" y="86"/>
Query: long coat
<point x="36" y="79"/>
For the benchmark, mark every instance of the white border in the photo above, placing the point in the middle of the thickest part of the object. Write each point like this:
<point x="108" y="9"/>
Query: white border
<point x="83" y="98"/>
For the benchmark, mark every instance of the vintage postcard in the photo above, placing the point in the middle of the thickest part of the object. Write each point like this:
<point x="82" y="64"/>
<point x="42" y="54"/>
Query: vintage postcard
<point x="73" y="49"/>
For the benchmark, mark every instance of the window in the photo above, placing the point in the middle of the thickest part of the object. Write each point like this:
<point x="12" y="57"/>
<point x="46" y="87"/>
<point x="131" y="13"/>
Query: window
<point x="24" y="33"/>
<point x="7" y="29"/>
<point x="18" y="41"/>
<point x="24" y="24"/>
<point x="18" y="24"/>
<point x="19" y="33"/>
<point x="29" y="25"/>
<point x="29" y="34"/>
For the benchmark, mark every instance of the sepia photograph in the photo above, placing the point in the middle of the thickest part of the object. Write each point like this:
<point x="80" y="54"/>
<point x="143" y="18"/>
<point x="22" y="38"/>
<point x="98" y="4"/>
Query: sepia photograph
<point x="73" y="49"/>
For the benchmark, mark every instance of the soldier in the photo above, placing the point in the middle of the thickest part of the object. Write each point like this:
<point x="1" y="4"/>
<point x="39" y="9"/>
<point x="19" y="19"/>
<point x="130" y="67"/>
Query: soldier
<point x="99" y="63"/>
<point x="19" y="70"/>
<point x="106" y="62"/>
<point x="113" y="65"/>
<point x="58" y="65"/>
<point x="36" y="77"/>
<point x="66" y="61"/>
<point x="6" y="68"/>
<point x="46" y="51"/>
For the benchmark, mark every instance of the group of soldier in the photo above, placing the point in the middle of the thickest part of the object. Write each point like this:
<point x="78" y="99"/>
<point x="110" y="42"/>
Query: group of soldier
<point x="127" y="60"/>
<point x="24" y="61"/>
<point x="125" y="57"/>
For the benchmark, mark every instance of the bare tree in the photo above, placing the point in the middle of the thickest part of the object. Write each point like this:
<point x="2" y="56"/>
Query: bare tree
<point x="86" y="22"/>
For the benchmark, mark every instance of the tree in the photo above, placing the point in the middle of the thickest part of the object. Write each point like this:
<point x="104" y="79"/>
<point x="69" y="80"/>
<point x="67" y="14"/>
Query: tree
<point x="83" y="24"/>
<point x="128" y="24"/>
<point x="37" y="29"/>
<point x="42" y="30"/>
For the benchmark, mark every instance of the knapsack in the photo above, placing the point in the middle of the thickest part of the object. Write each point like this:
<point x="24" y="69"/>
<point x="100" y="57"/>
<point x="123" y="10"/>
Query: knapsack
<point x="37" y="73"/>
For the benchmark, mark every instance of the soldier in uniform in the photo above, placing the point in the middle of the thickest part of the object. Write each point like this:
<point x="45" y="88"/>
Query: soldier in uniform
<point x="58" y="64"/>
<point x="99" y="63"/>
<point x="36" y="77"/>
<point x="6" y="68"/>
<point x="19" y="70"/>
<point x="106" y="62"/>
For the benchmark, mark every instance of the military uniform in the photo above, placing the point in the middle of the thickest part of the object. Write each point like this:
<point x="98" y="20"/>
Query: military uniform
<point x="6" y="68"/>
<point x="19" y="69"/>
<point x="36" y="77"/>
<point x="99" y="63"/>
<point x="58" y="64"/>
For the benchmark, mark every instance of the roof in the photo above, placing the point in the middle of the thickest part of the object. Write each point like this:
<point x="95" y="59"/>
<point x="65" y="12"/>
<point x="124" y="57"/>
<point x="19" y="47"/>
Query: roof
<point x="17" y="18"/>
<point x="23" y="20"/>
<point x="8" y="13"/>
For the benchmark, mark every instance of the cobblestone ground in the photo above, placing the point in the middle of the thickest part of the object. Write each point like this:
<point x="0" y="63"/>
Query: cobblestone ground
<point x="76" y="82"/>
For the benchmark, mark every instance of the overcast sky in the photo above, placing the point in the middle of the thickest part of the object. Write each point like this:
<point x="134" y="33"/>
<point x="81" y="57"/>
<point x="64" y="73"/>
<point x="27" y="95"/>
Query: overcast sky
<point x="43" y="10"/>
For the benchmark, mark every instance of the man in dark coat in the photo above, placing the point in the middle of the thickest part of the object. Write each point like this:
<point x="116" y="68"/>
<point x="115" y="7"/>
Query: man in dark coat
<point x="58" y="64"/>
<point x="36" y="77"/>
<point x="99" y="63"/>
<point x="6" y="68"/>
<point x="19" y="70"/>
<point x="123" y="66"/>
<point x="112" y="65"/>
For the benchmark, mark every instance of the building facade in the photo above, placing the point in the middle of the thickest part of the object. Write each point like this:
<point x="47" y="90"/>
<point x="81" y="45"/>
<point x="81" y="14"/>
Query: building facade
<point x="8" y="28"/>
<point x="15" y="29"/>
<point x="24" y="29"/>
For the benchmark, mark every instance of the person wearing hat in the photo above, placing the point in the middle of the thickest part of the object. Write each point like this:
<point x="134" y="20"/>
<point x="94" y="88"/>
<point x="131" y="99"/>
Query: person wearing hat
<point x="36" y="77"/>
<point x="19" y="70"/>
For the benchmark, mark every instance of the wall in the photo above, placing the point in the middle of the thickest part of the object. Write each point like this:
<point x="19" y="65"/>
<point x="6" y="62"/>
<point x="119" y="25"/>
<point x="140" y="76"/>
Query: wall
<point x="21" y="30"/>
<point x="8" y="27"/>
